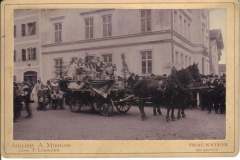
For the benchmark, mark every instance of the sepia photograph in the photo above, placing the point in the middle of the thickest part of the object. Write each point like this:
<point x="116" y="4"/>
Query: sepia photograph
<point x="129" y="78"/>
<point x="119" y="74"/>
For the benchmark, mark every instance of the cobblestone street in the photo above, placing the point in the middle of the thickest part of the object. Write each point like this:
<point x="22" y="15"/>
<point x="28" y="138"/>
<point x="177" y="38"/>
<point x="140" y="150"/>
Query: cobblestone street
<point x="65" y="125"/>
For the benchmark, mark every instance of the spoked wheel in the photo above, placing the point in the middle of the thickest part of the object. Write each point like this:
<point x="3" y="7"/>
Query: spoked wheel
<point x="123" y="108"/>
<point x="106" y="109"/>
<point x="75" y="106"/>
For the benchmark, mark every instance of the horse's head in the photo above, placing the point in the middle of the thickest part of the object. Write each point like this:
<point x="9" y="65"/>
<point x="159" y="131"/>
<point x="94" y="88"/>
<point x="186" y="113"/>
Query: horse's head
<point x="132" y="80"/>
<point x="194" y="71"/>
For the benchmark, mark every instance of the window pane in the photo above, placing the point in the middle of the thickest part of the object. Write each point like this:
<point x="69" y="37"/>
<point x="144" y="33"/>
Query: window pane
<point x="31" y="28"/>
<point x="149" y="54"/>
<point x="149" y="66"/>
<point x="15" y="56"/>
<point x="143" y="67"/>
<point x="23" y="30"/>
<point x="143" y="55"/>
<point x="23" y="55"/>
<point x="15" y="30"/>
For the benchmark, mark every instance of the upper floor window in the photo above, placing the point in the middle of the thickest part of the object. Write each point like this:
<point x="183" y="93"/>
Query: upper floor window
<point x="31" y="28"/>
<point x="181" y="23"/>
<point x="15" y="31"/>
<point x="28" y="29"/>
<point x="107" y="25"/>
<point x="89" y="27"/>
<point x="23" y="30"/>
<point x="107" y="58"/>
<point x="15" y="56"/>
<point x="29" y="54"/>
<point x="146" y="20"/>
<point x="176" y="58"/>
<point x="24" y="56"/>
<point x="146" y="62"/>
<point x="32" y="54"/>
<point x="58" y="32"/>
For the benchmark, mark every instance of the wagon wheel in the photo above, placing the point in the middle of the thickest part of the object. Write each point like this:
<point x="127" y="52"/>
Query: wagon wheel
<point x="123" y="108"/>
<point x="75" y="106"/>
<point x="106" y="109"/>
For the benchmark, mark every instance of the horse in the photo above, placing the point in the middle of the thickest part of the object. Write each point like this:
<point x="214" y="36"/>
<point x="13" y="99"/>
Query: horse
<point x="148" y="89"/>
<point x="171" y="91"/>
<point x="182" y="96"/>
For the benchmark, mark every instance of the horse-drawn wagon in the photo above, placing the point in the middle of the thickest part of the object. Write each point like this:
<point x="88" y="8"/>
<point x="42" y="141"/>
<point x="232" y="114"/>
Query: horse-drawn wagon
<point x="101" y="96"/>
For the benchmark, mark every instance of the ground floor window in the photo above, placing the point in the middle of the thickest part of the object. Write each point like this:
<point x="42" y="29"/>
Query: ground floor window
<point x="146" y="62"/>
<point x="107" y="58"/>
<point x="59" y="68"/>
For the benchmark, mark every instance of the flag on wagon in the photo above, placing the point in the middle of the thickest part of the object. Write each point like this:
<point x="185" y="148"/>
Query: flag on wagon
<point x="102" y="87"/>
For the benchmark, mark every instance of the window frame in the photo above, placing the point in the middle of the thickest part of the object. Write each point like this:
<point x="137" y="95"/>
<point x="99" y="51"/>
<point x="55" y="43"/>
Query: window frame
<point x="107" y="58"/>
<point x="23" y="30"/>
<point x="24" y="55"/>
<point x="58" y="32"/>
<point x="89" y="27"/>
<point x="15" y="31"/>
<point x="33" y="30"/>
<point x="146" y="20"/>
<point x="107" y="25"/>
<point x="59" y="67"/>
<point x="146" y="62"/>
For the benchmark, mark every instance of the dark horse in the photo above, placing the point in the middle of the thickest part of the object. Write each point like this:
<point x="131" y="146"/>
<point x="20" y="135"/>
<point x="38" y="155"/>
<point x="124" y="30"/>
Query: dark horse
<point x="171" y="91"/>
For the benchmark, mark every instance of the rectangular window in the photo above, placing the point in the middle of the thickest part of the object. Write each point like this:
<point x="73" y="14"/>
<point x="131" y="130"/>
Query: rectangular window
<point x="180" y="20"/>
<point x="59" y="67"/>
<point x="58" y="32"/>
<point x="107" y="25"/>
<point x="31" y="54"/>
<point x="23" y="30"/>
<point x="15" y="56"/>
<point x="31" y="28"/>
<point x="185" y="27"/>
<point x="176" y="55"/>
<point x="15" y="31"/>
<point x="24" y="57"/>
<point x="146" y="20"/>
<point x="189" y="30"/>
<point x="107" y="58"/>
<point x="146" y="62"/>
<point x="181" y="61"/>
<point x="186" y="63"/>
<point x="34" y="53"/>
<point x="190" y="61"/>
<point x="89" y="27"/>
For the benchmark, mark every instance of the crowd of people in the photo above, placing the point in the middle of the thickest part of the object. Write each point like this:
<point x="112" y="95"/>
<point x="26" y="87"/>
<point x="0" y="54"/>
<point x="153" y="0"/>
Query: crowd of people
<point x="214" y="96"/>
<point x="91" y="68"/>
<point x="50" y="96"/>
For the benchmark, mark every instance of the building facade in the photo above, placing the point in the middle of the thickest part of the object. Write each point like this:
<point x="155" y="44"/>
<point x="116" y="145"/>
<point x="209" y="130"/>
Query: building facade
<point x="216" y="46"/>
<point x="153" y="41"/>
<point x="27" y="46"/>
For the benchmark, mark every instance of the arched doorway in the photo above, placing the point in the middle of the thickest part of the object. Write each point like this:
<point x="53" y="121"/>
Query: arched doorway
<point x="30" y="76"/>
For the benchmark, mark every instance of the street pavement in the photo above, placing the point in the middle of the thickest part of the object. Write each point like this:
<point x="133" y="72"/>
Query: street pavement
<point x="66" y="125"/>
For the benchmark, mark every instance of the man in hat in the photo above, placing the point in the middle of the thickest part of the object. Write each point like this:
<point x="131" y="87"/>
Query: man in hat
<point x="27" y="100"/>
